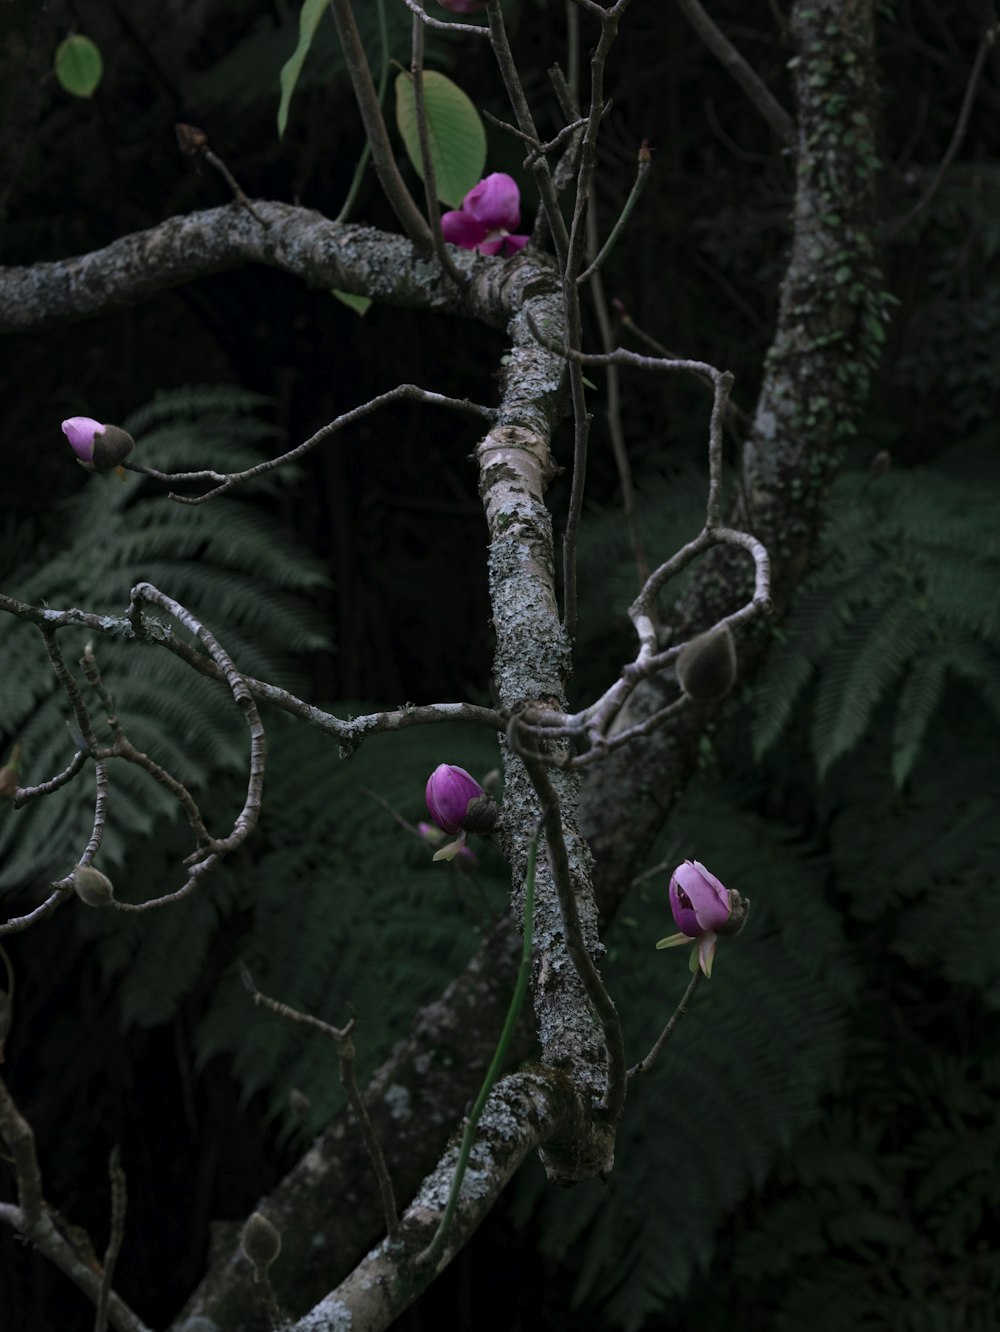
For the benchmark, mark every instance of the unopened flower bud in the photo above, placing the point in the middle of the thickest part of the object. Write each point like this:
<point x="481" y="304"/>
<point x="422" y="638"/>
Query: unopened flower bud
<point x="703" y="909"/>
<point x="880" y="463"/>
<point x="98" y="448"/>
<point x="191" y="140"/>
<point x="457" y="802"/>
<point x="698" y="900"/>
<point x="706" y="667"/>
<point x="261" y="1242"/>
<point x="93" y="887"/>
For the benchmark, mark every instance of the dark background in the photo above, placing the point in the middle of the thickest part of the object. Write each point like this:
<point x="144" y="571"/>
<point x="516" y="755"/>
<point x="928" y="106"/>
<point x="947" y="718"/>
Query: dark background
<point x="843" y="1207"/>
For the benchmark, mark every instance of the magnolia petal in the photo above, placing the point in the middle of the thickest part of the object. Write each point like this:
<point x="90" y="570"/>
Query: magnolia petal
<point x="462" y="229"/>
<point x="672" y="940"/>
<point x="495" y="202"/>
<point x="451" y="850"/>
<point x="706" y="952"/>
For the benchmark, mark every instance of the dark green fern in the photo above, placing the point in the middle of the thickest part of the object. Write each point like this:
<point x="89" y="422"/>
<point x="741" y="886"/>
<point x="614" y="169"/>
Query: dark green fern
<point x="903" y="600"/>
<point x="232" y="565"/>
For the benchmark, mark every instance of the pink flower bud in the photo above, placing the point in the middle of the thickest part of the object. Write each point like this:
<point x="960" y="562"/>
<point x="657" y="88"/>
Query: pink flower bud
<point x="450" y="792"/>
<point x="490" y="213"/>
<point x="698" y="900"/>
<point x="98" y="448"/>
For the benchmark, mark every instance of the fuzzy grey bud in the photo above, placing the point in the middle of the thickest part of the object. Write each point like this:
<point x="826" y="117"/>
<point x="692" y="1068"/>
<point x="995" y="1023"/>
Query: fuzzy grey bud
<point x="92" y="886"/>
<point x="706" y="667"/>
<point x="111" y="448"/>
<point x="261" y="1242"/>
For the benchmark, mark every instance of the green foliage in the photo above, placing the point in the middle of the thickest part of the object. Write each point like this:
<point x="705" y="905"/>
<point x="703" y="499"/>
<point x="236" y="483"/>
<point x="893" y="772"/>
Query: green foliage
<point x="230" y="563"/>
<point x="78" y="65"/>
<point x="904" y="598"/>
<point x="951" y="345"/>
<point x="456" y="138"/>
<point x="877" y="1218"/>
<point x="762" y="1042"/>
<point x="309" y="16"/>
<point x="252" y="70"/>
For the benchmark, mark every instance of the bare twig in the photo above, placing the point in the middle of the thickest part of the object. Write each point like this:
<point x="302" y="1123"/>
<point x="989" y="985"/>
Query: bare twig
<point x="644" y="1065"/>
<point x="442" y="25"/>
<point x="124" y="749"/>
<point x="383" y="158"/>
<point x="614" y="414"/>
<point x="26" y="793"/>
<point x="366" y="151"/>
<point x="18" y="923"/>
<point x="571" y="301"/>
<point x="426" y="159"/>
<point x="751" y="83"/>
<point x="642" y="172"/>
<point x="118" y="1204"/>
<point x="86" y="729"/>
<point x="341" y="1037"/>
<point x="226" y="480"/>
<point x="961" y="125"/>
<point x="247" y="818"/>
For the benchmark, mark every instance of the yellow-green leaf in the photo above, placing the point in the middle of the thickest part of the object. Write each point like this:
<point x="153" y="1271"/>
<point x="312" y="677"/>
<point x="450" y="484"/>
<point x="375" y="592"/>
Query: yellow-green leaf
<point x="455" y="134"/>
<point x="78" y="65"/>
<point x="359" y="304"/>
<point x="309" y="17"/>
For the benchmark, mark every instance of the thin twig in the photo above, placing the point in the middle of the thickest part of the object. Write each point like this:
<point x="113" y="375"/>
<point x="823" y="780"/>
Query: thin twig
<point x="616" y="430"/>
<point x="86" y="729"/>
<point x="124" y="749"/>
<point x="383" y="157"/>
<point x="118" y="1203"/>
<point x="226" y="480"/>
<point x="644" y="1065"/>
<point x="383" y="84"/>
<point x="341" y="1037"/>
<point x="426" y="159"/>
<point x="26" y="793"/>
<point x="213" y="160"/>
<point x="246" y="819"/>
<point x="751" y="83"/>
<point x="571" y="301"/>
<point x="638" y="185"/>
<point x="441" y="25"/>
<point x="961" y="125"/>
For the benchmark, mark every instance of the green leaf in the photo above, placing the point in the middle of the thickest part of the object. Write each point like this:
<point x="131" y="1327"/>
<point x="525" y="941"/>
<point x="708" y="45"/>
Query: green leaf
<point x="309" y="17"/>
<point x="455" y="134"/>
<point x="359" y="304"/>
<point x="78" y="66"/>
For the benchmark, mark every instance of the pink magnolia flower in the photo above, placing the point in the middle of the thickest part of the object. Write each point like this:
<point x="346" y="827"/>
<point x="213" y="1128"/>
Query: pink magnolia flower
<point x="702" y="908"/>
<point x="490" y="213"/>
<point x="698" y="900"/>
<point x="449" y="791"/>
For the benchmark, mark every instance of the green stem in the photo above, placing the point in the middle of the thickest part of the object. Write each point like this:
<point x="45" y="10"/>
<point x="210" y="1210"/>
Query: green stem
<point x="432" y="1253"/>
<point x="366" y="152"/>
